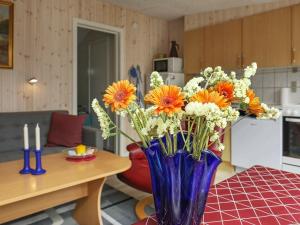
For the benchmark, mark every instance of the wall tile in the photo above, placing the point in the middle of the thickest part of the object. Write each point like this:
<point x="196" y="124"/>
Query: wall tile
<point x="277" y="96"/>
<point x="269" y="96"/>
<point x="294" y="76"/>
<point x="259" y="92"/>
<point x="257" y="81"/>
<point x="268" y="80"/>
<point x="281" y="79"/>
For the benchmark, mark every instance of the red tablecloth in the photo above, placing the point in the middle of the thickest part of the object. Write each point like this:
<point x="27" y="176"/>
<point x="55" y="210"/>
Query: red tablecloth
<point x="258" y="195"/>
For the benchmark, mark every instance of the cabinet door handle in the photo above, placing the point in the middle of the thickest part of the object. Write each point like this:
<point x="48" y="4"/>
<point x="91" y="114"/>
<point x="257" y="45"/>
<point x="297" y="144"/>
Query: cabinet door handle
<point x="293" y="55"/>
<point x="292" y="120"/>
<point x="242" y="60"/>
<point x="239" y="62"/>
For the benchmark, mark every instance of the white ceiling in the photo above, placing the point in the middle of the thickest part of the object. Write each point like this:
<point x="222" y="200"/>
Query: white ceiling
<point x="172" y="9"/>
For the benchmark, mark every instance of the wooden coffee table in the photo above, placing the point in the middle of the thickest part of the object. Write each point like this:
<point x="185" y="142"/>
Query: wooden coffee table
<point x="22" y="195"/>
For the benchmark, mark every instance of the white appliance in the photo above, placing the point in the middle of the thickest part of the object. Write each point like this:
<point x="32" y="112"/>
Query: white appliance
<point x="291" y="138"/>
<point x="289" y="97"/>
<point x="257" y="142"/>
<point x="171" y="65"/>
<point x="169" y="79"/>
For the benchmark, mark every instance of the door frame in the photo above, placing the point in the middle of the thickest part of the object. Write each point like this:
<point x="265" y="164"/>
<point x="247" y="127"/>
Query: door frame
<point x="120" y="65"/>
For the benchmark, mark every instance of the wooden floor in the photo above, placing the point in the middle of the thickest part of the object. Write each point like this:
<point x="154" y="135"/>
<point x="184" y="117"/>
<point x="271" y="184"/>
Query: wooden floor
<point x="224" y="171"/>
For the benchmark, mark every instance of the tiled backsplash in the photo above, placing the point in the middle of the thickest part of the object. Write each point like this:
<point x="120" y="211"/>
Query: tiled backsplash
<point x="268" y="82"/>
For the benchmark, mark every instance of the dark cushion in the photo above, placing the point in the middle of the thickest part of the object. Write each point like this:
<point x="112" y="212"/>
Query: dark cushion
<point x="18" y="154"/>
<point x="11" y="129"/>
<point x="65" y="130"/>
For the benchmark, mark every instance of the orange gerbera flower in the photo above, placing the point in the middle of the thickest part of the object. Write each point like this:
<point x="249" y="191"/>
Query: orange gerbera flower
<point x="168" y="99"/>
<point x="204" y="96"/>
<point x="254" y="106"/>
<point x="226" y="89"/>
<point x="119" y="95"/>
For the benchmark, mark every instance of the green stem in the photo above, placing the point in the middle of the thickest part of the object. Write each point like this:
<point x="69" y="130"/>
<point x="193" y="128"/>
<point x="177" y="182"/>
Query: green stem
<point x="131" y="139"/>
<point x="162" y="145"/>
<point x="174" y="142"/>
<point x="137" y="128"/>
<point x="187" y="143"/>
<point x="169" y="143"/>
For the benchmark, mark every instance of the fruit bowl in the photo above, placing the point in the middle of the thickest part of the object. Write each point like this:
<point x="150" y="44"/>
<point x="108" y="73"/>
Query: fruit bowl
<point x="71" y="155"/>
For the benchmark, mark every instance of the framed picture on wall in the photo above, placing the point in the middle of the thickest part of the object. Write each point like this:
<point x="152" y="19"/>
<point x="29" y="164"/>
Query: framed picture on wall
<point x="6" y="34"/>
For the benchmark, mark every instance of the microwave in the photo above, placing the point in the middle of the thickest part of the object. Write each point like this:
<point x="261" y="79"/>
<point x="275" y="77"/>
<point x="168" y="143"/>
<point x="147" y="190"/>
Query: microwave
<point x="171" y="65"/>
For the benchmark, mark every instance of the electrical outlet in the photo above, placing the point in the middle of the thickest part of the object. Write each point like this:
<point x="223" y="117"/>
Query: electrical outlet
<point x="294" y="86"/>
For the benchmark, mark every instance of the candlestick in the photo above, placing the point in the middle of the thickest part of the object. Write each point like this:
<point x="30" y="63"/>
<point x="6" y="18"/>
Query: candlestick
<point x="38" y="161"/>
<point x="26" y="168"/>
<point x="37" y="138"/>
<point x="26" y="141"/>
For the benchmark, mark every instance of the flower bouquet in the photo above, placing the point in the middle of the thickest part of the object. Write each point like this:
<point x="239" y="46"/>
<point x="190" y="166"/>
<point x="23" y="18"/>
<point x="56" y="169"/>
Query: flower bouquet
<point x="178" y="130"/>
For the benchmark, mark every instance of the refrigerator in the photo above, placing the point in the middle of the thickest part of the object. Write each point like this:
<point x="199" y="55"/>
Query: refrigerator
<point x="256" y="142"/>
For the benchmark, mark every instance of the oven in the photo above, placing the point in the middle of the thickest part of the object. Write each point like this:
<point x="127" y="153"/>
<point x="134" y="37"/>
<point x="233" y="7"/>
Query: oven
<point x="291" y="141"/>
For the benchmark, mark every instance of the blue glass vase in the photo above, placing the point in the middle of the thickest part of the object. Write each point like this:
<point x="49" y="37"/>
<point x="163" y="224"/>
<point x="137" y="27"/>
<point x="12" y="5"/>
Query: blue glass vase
<point x="180" y="183"/>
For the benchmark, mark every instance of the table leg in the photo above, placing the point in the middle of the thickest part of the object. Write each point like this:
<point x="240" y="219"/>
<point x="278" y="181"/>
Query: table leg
<point x="141" y="205"/>
<point x="88" y="209"/>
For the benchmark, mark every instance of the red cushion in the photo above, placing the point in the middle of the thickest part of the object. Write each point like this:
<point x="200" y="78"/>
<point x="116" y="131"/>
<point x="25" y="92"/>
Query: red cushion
<point x="137" y="154"/>
<point x="65" y="130"/>
<point x="138" y="176"/>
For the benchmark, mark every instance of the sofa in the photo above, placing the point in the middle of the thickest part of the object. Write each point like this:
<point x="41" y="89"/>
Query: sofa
<point x="11" y="133"/>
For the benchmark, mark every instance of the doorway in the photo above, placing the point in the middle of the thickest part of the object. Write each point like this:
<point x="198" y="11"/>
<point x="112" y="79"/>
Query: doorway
<point x="97" y="57"/>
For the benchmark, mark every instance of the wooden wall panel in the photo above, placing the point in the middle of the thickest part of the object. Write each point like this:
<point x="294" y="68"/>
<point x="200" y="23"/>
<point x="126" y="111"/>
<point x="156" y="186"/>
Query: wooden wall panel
<point x="44" y="48"/>
<point x="176" y="30"/>
<point x="209" y="18"/>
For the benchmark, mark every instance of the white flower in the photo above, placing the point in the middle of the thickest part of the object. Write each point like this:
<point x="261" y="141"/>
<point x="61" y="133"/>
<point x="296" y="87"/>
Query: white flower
<point x="231" y="114"/>
<point x="246" y="100"/>
<point x="240" y="88"/>
<point x="207" y="72"/>
<point x="103" y="119"/>
<point x="220" y="147"/>
<point x="269" y="113"/>
<point x="213" y="115"/>
<point x="200" y="109"/>
<point x="232" y="75"/>
<point x="250" y="71"/>
<point x="156" y="80"/>
<point x="214" y="137"/>
<point x="193" y="86"/>
<point x="214" y="76"/>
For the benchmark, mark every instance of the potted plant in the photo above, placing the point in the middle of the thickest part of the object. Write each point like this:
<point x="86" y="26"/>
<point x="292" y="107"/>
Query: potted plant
<point x="177" y="130"/>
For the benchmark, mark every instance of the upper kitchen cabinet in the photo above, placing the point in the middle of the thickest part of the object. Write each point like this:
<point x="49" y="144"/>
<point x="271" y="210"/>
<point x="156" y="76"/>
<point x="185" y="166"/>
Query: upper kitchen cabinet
<point x="223" y="45"/>
<point x="193" y="51"/>
<point x="267" y="38"/>
<point x="296" y="35"/>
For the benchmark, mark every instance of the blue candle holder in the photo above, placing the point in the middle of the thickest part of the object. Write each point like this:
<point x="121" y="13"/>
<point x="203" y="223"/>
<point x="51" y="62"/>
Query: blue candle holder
<point x="26" y="169"/>
<point x="38" y="160"/>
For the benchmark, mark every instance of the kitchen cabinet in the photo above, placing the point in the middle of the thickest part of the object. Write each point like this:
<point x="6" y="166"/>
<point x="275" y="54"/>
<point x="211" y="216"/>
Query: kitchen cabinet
<point x="296" y="35"/>
<point x="223" y="45"/>
<point x="193" y="51"/>
<point x="267" y="38"/>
